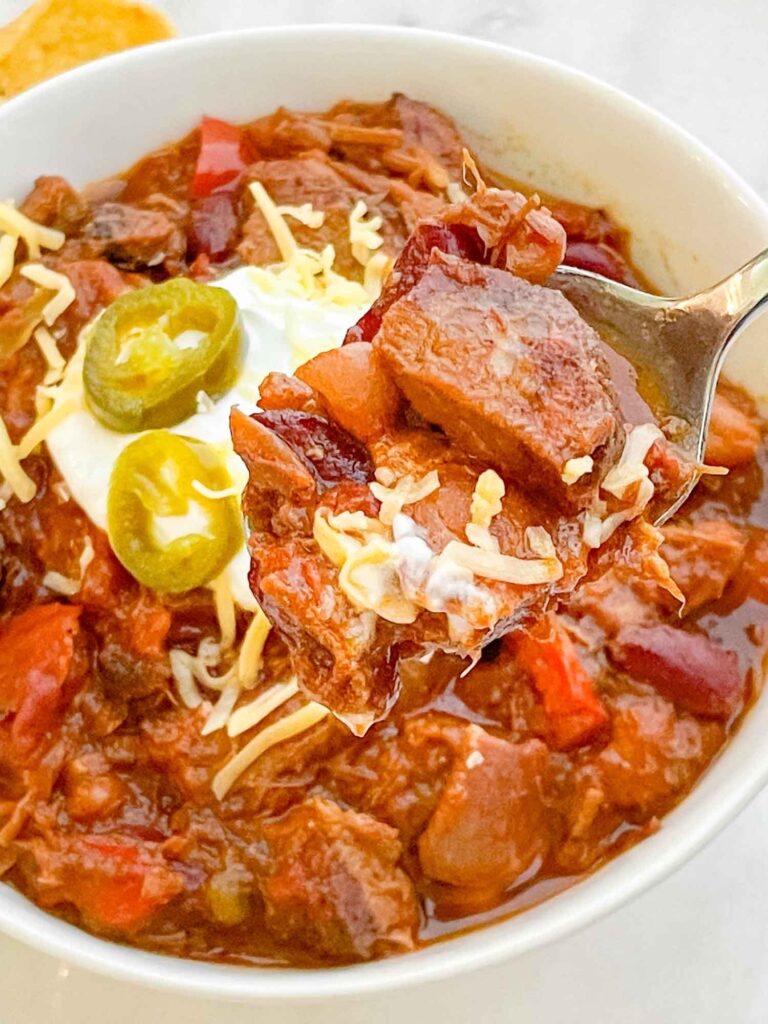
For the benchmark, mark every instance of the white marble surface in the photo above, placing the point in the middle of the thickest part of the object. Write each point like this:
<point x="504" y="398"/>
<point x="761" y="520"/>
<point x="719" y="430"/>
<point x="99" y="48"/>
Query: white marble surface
<point x="696" y="948"/>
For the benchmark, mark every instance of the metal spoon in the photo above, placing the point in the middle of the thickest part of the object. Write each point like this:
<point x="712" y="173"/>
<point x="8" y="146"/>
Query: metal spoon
<point x="679" y="344"/>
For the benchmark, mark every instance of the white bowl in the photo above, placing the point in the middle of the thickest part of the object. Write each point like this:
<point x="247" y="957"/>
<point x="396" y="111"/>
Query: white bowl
<point x="692" y="219"/>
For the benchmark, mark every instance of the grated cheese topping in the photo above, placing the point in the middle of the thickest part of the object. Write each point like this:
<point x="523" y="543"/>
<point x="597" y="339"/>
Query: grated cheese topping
<point x="8" y="245"/>
<point x="305" y="214"/>
<point x="51" y="280"/>
<point x="35" y="236"/>
<point x="250" y="715"/>
<point x="364" y="237"/>
<point x="503" y="568"/>
<point x="50" y="351"/>
<point x="252" y="648"/>
<point x="486" y="503"/>
<point x="225" y="611"/>
<point x="11" y="469"/>
<point x="406" y="491"/>
<point x="284" y="729"/>
<point x="629" y="472"/>
<point x="575" y="469"/>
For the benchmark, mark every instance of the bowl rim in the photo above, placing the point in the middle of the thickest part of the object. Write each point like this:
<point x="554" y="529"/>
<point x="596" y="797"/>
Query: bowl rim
<point x="504" y="939"/>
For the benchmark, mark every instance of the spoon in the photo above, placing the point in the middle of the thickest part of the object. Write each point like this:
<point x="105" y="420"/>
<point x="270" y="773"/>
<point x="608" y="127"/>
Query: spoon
<point x="678" y="344"/>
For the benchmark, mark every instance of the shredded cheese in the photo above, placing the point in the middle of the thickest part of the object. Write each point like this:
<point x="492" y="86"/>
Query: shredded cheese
<point x="503" y="568"/>
<point x="225" y="611"/>
<point x="305" y="214"/>
<point x="35" y="236"/>
<point x="8" y="245"/>
<point x="10" y="467"/>
<point x="252" y="648"/>
<point x="575" y="469"/>
<point x="61" y="584"/>
<point x="376" y="272"/>
<point x="370" y="580"/>
<point x="486" y="503"/>
<point x="284" y="729"/>
<point x="51" y="280"/>
<point x="284" y="240"/>
<point x="250" y="715"/>
<point x="539" y="542"/>
<point x="406" y="491"/>
<point x="55" y="360"/>
<point x="364" y="237"/>
<point x="631" y="468"/>
<point x="222" y="709"/>
<point x="67" y="398"/>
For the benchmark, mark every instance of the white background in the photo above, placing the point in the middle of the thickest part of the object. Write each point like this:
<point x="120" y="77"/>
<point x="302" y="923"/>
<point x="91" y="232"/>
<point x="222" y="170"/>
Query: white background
<point x="695" y="950"/>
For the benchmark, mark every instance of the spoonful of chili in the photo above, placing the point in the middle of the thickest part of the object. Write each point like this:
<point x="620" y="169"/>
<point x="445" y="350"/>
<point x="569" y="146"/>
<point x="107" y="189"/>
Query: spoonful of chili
<point x="676" y="345"/>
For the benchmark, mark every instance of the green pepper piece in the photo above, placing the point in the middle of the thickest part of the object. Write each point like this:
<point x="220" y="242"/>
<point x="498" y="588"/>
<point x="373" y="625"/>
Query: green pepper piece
<point x="153" y="350"/>
<point x="166" y="533"/>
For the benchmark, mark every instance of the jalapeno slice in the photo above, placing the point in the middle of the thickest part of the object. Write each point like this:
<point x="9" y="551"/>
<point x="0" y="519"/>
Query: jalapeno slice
<point x="164" y="524"/>
<point x="153" y="350"/>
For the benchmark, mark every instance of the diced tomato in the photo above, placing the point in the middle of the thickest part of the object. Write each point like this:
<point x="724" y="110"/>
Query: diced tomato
<point x="147" y="623"/>
<point x="36" y="649"/>
<point x="116" y="884"/>
<point x="222" y="158"/>
<point x="733" y="437"/>
<point x="573" y="709"/>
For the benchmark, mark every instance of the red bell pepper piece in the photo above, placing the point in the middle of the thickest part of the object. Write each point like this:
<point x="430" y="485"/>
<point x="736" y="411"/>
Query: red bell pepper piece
<point x="222" y="159"/>
<point x="116" y="884"/>
<point x="573" y="709"/>
<point x="36" y="649"/>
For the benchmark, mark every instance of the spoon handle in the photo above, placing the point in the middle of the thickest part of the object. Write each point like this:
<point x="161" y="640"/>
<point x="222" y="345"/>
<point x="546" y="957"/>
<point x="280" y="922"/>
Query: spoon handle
<point x="733" y="301"/>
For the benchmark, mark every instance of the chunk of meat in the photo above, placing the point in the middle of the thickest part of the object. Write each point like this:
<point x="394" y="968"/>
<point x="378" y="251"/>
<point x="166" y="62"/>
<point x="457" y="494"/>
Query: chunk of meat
<point x="116" y="883"/>
<point x="690" y="669"/>
<point x="703" y="558"/>
<point x="54" y="203"/>
<point x="356" y="389"/>
<point x="97" y="284"/>
<point x="509" y="371"/>
<point x="653" y="755"/>
<point x="133" y="237"/>
<point x="733" y="436"/>
<point x="214" y="224"/>
<point x="332" y="883"/>
<point x="575" y="715"/>
<point x="36" y="655"/>
<point x="338" y="653"/>
<point x="396" y="773"/>
<point x="490" y="824"/>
